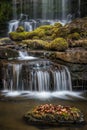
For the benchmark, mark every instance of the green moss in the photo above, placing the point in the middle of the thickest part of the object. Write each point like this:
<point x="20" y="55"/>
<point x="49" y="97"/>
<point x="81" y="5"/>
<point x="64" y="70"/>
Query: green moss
<point x="74" y="36"/>
<point x="46" y="27"/>
<point x="59" y="44"/>
<point x="35" y="44"/>
<point x="16" y="36"/>
<point x="20" y="29"/>
<point x="40" y="32"/>
<point x="58" y="25"/>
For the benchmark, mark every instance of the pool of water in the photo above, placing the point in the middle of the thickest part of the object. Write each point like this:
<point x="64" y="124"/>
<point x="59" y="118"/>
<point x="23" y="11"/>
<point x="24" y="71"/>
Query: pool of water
<point x="12" y="110"/>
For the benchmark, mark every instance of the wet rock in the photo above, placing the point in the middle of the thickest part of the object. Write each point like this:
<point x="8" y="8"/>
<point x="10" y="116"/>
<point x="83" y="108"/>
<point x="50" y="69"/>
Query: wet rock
<point x="6" y="53"/>
<point x="73" y="56"/>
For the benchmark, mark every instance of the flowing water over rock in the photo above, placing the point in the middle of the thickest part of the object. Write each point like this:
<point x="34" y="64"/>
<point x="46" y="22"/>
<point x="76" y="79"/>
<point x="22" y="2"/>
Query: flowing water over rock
<point x="36" y="76"/>
<point x="32" y="77"/>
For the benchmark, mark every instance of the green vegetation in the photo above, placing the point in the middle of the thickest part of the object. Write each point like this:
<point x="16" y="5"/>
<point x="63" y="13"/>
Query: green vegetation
<point x="36" y="44"/>
<point x="74" y="36"/>
<point x="59" y="44"/>
<point x="18" y="36"/>
<point x="54" y="37"/>
<point x="5" y="11"/>
<point x="20" y="29"/>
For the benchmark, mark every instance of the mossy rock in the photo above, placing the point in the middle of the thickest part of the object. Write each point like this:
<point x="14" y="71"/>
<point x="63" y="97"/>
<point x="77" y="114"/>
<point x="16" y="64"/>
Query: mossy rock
<point x="18" y="36"/>
<point x="4" y="41"/>
<point x="58" y="25"/>
<point x="74" y="36"/>
<point x="36" y="44"/>
<point x="59" y="44"/>
<point x="49" y="114"/>
<point x="20" y="29"/>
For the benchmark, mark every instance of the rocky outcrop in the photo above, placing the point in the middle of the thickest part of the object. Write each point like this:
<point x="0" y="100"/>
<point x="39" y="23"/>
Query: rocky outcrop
<point x="6" y="53"/>
<point x="77" y="55"/>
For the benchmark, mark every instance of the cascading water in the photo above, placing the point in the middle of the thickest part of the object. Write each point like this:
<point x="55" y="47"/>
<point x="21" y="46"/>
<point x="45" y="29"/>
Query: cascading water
<point x="36" y="76"/>
<point x="49" y="12"/>
<point x="79" y="11"/>
<point x="23" y="55"/>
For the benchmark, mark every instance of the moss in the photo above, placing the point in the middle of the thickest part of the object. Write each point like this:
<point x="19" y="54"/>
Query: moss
<point x="31" y="35"/>
<point x="36" y="44"/>
<point x="16" y="36"/>
<point x="59" y="44"/>
<point x="74" y="36"/>
<point x="40" y="32"/>
<point x="20" y="29"/>
<point x="58" y="25"/>
<point x="5" y="41"/>
<point x="46" y="27"/>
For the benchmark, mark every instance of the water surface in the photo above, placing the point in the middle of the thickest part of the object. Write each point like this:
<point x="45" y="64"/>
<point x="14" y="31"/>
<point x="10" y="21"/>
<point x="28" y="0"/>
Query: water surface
<point x="12" y="110"/>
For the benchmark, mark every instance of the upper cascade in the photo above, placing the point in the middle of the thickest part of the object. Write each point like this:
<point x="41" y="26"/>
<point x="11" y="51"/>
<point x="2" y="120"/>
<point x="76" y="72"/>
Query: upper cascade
<point x="50" y="11"/>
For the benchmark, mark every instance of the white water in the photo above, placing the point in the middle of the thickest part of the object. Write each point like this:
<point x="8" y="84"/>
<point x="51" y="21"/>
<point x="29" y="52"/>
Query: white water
<point x="66" y="95"/>
<point x="14" y="9"/>
<point x="40" y="76"/>
<point x="79" y="8"/>
<point x="23" y="55"/>
<point x="13" y="25"/>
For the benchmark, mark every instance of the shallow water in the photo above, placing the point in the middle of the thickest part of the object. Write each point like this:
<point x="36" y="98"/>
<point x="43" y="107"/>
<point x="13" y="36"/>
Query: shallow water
<point x="12" y="110"/>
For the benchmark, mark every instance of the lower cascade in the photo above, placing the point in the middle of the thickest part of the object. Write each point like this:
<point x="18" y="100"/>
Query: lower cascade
<point x="36" y="76"/>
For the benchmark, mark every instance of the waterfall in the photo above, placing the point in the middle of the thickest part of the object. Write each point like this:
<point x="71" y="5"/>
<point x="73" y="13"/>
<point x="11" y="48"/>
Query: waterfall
<point x="23" y="55"/>
<point x="14" y="9"/>
<point x="40" y="12"/>
<point x="35" y="76"/>
<point x="13" y="25"/>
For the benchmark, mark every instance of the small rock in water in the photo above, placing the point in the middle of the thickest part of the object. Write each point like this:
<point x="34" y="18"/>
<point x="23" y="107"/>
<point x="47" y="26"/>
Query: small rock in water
<point x="50" y="114"/>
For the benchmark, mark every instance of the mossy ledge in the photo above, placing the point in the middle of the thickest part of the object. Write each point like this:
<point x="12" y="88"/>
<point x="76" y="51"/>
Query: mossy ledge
<point x="49" y="114"/>
<point x="54" y="37"/>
